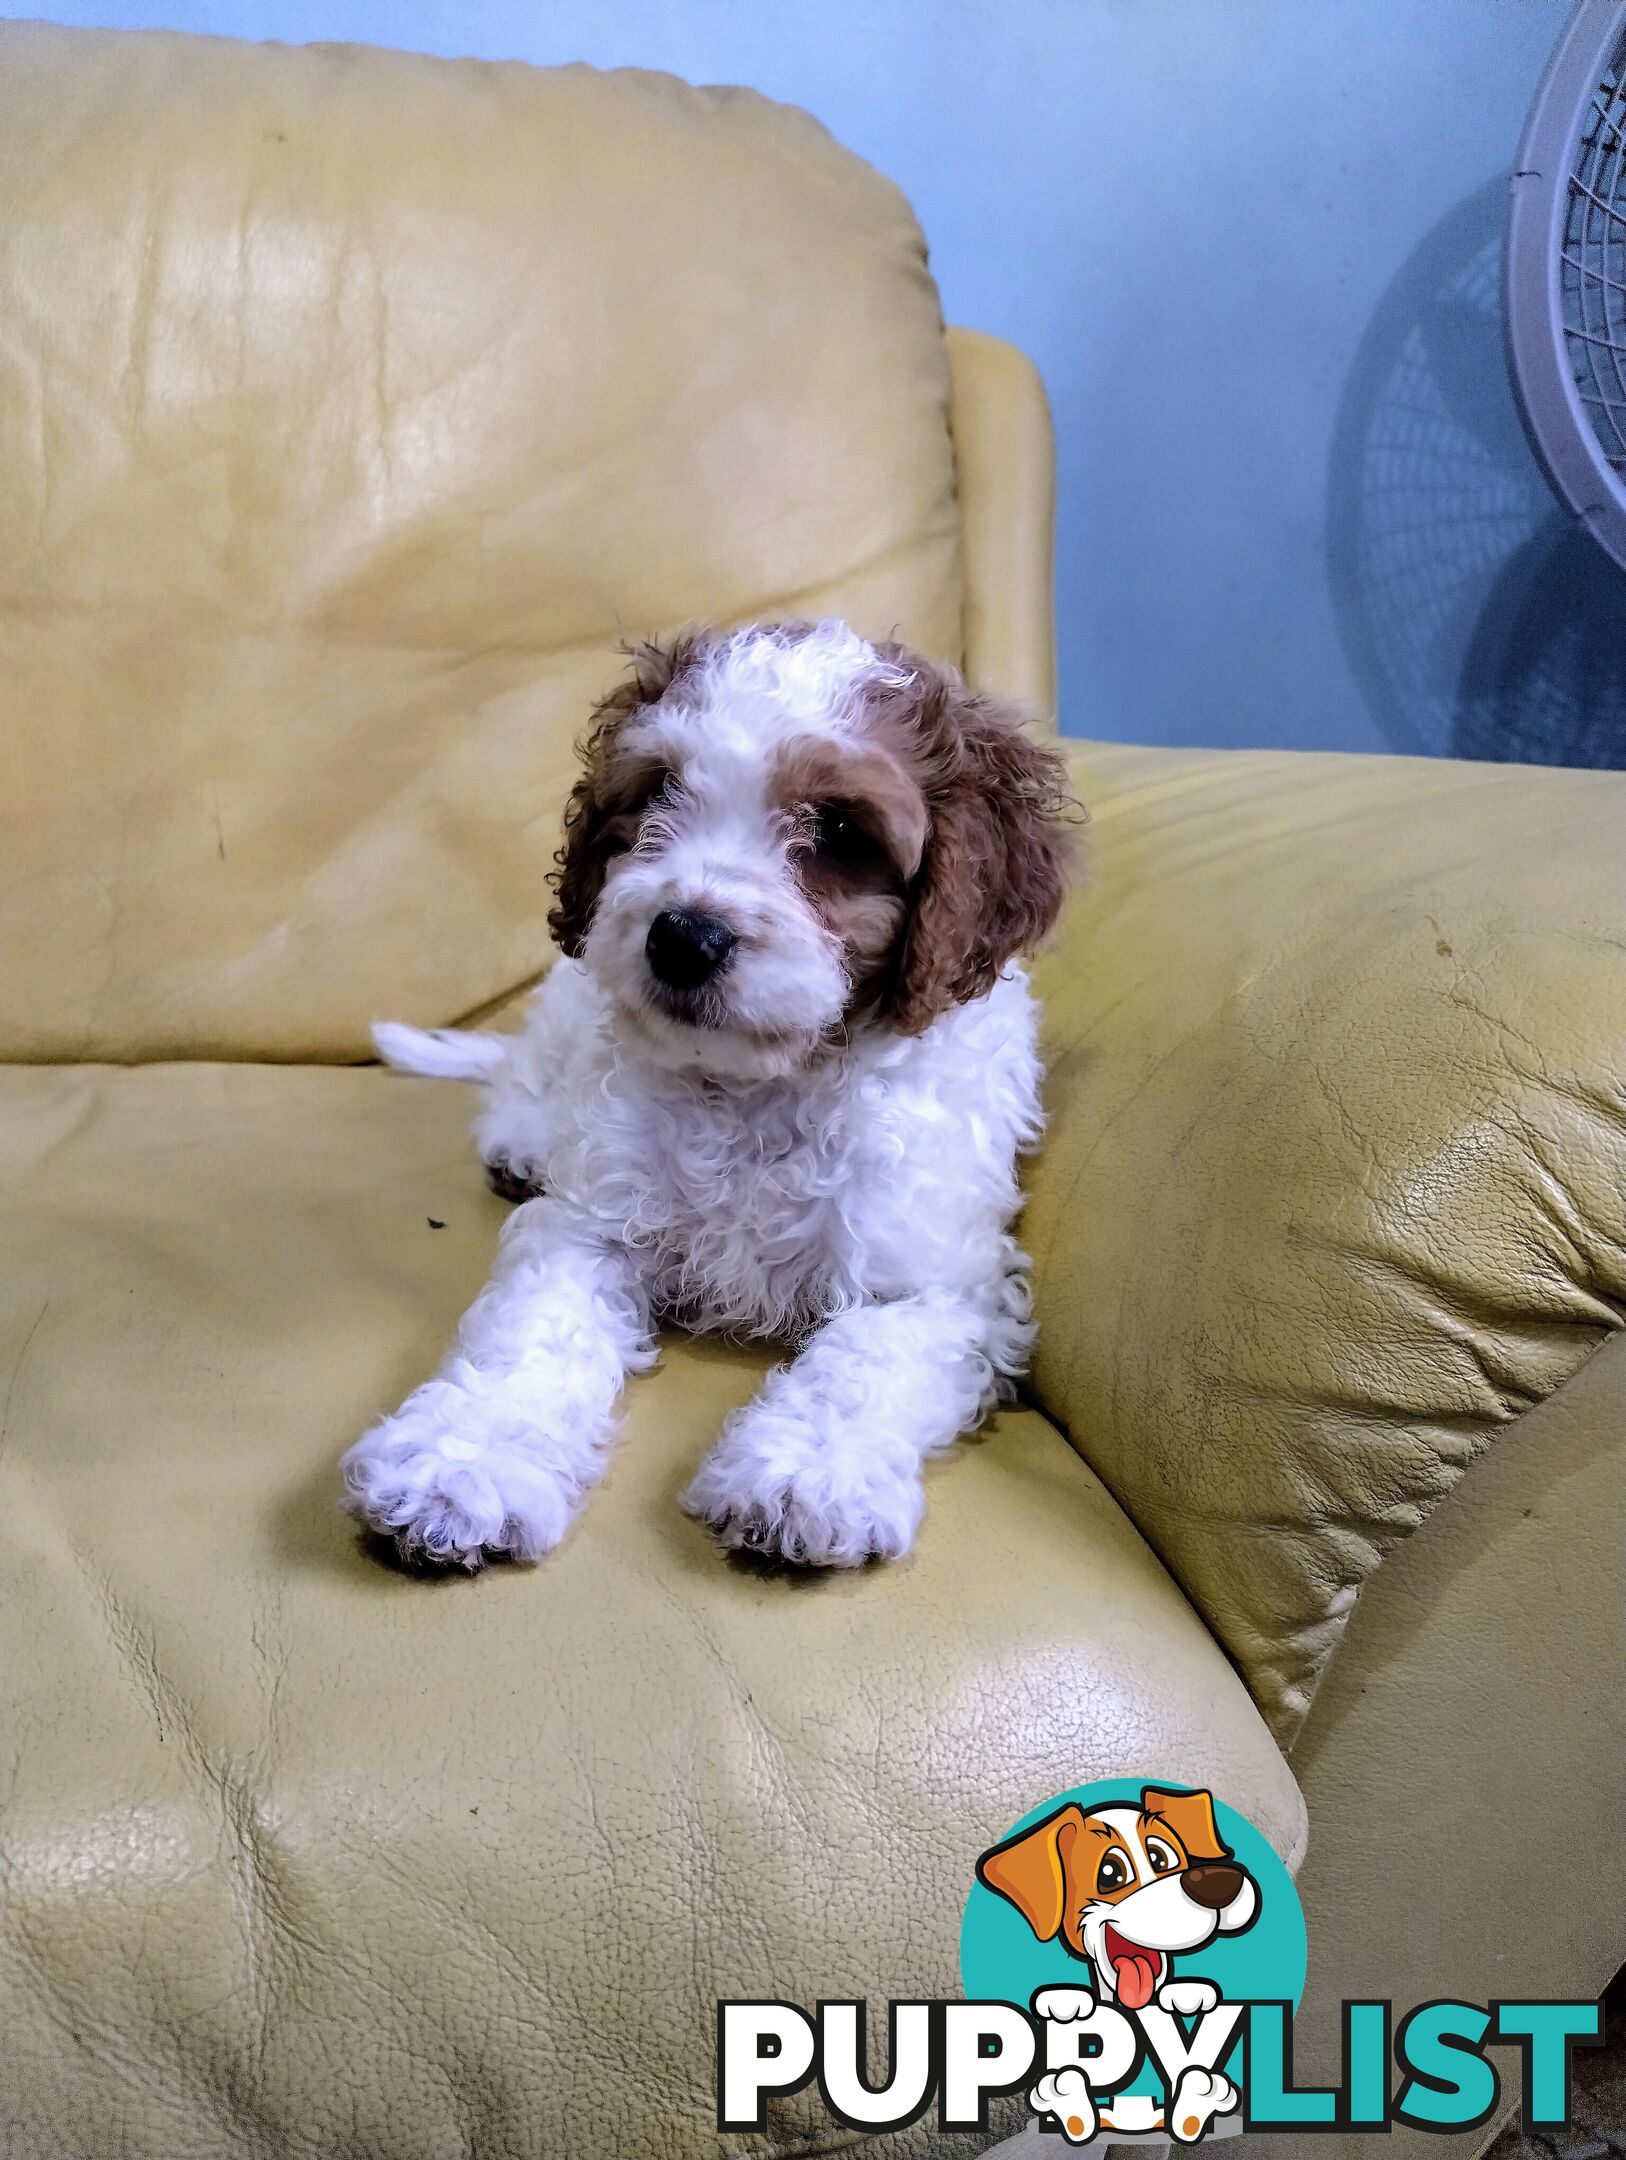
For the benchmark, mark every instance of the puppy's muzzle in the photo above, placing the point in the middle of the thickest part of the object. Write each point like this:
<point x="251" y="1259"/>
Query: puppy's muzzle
<point x="685" y="948"/>
<point x="1212" y="1884"/>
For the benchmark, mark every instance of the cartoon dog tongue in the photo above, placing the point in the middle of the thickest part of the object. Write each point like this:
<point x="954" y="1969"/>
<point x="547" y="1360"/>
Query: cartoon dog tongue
<point x="1134" y="1970"/>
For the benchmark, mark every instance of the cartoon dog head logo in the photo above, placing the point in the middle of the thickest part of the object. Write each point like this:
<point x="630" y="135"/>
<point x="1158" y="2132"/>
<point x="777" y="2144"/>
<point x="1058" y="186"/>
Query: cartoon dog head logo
<point x="1126" y="1888"/>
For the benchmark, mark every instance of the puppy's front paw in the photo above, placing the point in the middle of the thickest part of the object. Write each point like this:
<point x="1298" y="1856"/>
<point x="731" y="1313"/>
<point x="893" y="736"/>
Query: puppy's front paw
<point x="451" y="1489"/>
<point x="798" y="1506"/>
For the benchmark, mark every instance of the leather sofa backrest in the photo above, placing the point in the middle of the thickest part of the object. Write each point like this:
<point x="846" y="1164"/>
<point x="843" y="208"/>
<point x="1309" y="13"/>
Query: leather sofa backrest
<point x="352" y="406"/>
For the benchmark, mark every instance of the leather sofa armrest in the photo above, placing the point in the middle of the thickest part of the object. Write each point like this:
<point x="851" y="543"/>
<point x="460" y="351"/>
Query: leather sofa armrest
<point x="1006" y="478"/>
<point x="1483" y="1677"/>
<point x="1336" y="1176"/>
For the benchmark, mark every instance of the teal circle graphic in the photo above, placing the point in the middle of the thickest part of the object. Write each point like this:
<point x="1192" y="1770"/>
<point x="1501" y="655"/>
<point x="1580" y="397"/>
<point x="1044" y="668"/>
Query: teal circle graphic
<point x="1001" y="1960"/>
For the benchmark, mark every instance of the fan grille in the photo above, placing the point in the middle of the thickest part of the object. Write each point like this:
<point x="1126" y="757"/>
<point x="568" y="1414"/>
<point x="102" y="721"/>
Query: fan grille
<point x="1592" y="265"/>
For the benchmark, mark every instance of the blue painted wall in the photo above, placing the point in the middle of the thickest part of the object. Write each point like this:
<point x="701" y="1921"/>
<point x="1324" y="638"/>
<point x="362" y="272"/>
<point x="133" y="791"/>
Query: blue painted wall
<point x="1253" y="246"/>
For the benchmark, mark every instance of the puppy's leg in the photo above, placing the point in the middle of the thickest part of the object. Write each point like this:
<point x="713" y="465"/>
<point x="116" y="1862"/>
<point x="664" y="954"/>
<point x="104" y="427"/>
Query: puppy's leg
<point x="526" y="1099"/>
<point x="824" y="1467"/>
<point x="497" y="1452"/>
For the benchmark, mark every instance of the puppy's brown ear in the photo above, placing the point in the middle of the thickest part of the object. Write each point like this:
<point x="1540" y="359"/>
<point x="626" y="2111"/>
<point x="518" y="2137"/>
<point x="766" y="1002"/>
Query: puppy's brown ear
<point x="653" y="665"/>
<point x="1030" y="1870"/>
<point x="1000" y="849"/>
<point x="1190" y="1815"/>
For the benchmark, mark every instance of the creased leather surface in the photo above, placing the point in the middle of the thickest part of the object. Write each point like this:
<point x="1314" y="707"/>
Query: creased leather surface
<point x="304" y="1858"/>
<point x="1335" y="1185"/>
<point x="352" y="405"/>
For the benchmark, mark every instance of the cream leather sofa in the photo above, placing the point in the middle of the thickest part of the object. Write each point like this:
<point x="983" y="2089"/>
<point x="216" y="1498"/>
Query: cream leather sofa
<point x="351" y="406"/>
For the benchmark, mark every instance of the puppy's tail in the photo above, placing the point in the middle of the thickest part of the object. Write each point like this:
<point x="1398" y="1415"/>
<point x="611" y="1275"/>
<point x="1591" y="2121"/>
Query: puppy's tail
<point x="438" y="1053"/>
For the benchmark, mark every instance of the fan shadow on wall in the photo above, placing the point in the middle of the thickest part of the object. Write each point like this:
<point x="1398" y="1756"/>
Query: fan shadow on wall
<point x="1479" y="620"/>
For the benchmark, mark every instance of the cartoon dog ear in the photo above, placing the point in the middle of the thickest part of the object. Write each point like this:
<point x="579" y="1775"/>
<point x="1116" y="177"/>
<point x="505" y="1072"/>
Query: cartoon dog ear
<point x="1190" y="1815"/>
<point x="1030" y="1870"/>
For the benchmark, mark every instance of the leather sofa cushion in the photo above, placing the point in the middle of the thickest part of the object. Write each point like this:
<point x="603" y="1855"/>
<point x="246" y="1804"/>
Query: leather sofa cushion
<point x="305" y="1856"/>
<point x="1335" y="1184"/>
<point x="352" y="406"/>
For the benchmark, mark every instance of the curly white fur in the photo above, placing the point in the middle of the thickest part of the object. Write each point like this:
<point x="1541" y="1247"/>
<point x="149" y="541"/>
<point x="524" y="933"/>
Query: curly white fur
<point x="857" y="1201"/>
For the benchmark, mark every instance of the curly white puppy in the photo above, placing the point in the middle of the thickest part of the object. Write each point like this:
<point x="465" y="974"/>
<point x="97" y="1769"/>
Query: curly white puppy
<point x="777" y="1086"/>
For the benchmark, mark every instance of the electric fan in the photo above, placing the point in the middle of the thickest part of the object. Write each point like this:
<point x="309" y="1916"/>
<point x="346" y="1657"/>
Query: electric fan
<point x="1566" y="272"/>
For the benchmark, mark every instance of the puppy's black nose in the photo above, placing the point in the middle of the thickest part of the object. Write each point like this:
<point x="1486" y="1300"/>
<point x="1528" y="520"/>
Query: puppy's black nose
<point x="1212" y="1883"/>
<point x="685" y="948"/>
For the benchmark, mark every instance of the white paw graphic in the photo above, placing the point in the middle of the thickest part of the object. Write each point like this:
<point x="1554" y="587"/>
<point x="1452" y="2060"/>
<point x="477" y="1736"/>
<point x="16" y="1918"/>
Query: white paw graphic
<point x="1187" y="1998"/>
<point x="1198" y="2098"/>
<point x="1063" y="2005"/>
<point x="1065" y="2096"/>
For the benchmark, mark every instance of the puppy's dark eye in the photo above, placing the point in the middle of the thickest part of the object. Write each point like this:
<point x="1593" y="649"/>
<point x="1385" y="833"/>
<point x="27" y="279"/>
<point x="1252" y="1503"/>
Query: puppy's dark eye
<point x="1161" y="1857"/>
<point x="838" y="836"/>
<point x="1112" y="1874"/>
